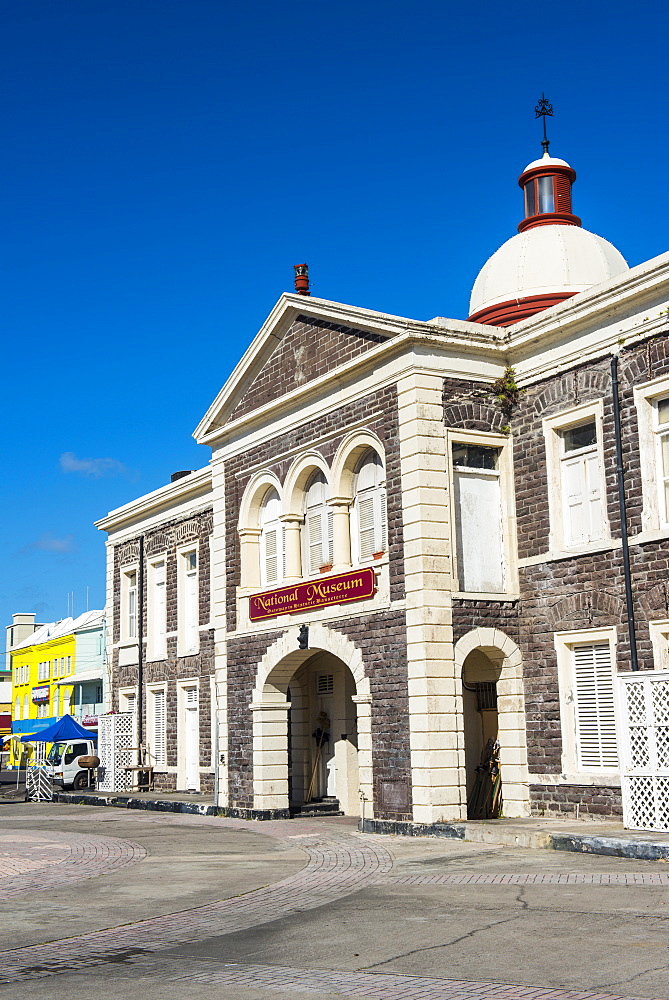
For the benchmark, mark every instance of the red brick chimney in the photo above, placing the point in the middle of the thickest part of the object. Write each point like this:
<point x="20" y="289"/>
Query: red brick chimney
<point x="302" y="279"/>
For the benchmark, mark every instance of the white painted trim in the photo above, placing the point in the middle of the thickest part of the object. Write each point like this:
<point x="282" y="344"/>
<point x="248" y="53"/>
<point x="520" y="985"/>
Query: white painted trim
<point x="564" y="642"/>
<point x="180" y="552"/>
<point x="659" y="637"/>
<point x="552" y="429"/>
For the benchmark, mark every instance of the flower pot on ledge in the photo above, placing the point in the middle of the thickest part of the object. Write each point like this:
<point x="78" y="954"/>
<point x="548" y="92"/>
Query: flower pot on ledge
<point x="325" y="569"/>
<point x="378" y="555"/>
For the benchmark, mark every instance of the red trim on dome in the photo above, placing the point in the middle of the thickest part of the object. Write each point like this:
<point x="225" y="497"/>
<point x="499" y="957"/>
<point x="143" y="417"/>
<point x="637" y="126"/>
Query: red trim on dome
<point x="548" y="168"/>
<point x="549" y="219"/>
<point x="512" y="311"/>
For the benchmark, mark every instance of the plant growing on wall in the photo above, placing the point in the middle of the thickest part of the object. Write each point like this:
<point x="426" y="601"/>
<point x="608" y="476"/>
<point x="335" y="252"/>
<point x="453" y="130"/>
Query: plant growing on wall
<point x="507" y="394"/>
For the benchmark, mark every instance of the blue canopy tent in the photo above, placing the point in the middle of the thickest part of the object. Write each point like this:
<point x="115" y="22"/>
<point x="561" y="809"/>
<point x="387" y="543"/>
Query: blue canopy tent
<point x="65" y="728"/>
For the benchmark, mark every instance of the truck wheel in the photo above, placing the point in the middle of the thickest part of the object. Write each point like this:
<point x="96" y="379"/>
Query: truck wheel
<point x="80" y="781"/>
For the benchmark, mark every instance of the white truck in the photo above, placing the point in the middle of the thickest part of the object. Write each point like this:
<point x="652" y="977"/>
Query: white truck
<point x="69" y="769"/>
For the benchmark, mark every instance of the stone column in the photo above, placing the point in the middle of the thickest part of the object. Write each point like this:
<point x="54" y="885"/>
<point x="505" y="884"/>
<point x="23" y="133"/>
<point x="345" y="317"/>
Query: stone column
<point x="341" y="534"/>
<point x="363" y="703"/>
<point x="292" y="535"/>
<point x="270" y="752"/>
<point x="249" y="539"/>
<point x="435" y="713"/>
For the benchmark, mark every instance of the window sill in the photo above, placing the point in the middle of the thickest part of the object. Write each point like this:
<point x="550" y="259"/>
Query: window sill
<point x="471" y="595"/>
<point x="611" y="779"/>
<point x="556" y="555"/>
<point x="654" y="535"/>
<point x="126" y="643"/>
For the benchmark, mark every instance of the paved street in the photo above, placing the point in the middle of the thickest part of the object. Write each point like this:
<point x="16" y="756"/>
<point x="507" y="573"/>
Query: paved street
<point x="100" y="901"/>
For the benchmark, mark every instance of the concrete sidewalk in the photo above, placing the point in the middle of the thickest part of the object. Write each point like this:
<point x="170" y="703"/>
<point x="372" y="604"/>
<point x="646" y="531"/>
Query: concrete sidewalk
<point x="577" y="836"/>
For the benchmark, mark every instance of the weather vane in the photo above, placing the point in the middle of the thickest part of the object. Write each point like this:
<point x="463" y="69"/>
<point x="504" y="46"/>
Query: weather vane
<point x="544" y="109"/>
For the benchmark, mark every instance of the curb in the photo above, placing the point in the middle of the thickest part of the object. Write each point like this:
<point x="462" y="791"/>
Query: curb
<point x="617" y="847"/>
<point x="167" y="805"/>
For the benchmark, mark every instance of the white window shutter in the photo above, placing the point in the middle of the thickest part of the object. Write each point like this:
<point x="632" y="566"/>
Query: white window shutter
<point x="596" y="743"/>
<point x="382" y="519"/>
<point x="365" y="504"/>
<point x="271" y="556"/>
<point x="575" y="501"/>
<point x="315" y="537"/>
<point x="159" y="748"/>
<point x="329" y="513"/>
<point x="191" y="610"/>
<point x="594" y="497"/>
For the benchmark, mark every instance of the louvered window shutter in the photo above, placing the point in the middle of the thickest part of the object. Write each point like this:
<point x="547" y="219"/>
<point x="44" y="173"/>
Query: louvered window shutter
<point x="330" y="516"/>
<point x="315" y="536"/>
<point x="271" y="556"/>
<point x="159" y="749"/>
<point x="191" y="610"/>
<point x="366" y="524"/>
<point x="596" y="744"/>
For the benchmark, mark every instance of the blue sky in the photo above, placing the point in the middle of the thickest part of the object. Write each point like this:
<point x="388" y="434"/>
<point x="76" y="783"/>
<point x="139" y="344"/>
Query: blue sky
<point x="166" y="162"/>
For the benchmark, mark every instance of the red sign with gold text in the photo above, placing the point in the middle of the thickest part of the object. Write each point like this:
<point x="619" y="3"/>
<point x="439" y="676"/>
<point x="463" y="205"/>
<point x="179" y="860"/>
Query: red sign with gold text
<point x="356" y="586"/>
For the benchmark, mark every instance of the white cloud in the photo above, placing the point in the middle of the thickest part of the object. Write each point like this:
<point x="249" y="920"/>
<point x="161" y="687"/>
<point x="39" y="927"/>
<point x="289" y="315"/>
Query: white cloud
<point x="93" y="468"/>
<point x="49" y="543"/>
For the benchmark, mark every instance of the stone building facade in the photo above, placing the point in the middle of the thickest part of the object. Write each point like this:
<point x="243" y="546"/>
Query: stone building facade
<point x="159" y="594"/>
<point x="417" y="540"/>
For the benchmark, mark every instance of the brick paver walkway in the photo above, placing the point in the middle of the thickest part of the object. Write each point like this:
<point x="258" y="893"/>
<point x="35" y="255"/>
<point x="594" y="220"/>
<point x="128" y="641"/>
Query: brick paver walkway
<point x="337" y="866"/>
<point x="32" y="862"/>
<point x="535" y="878"/>
<point x="377" y="985"/>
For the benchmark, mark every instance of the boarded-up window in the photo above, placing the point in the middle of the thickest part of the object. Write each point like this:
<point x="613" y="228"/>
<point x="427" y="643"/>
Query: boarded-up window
<point x="478" y="519"/>
<point x="157" y="611"/>
<point x="596" y="744"/>
<point x="191" y="604"/>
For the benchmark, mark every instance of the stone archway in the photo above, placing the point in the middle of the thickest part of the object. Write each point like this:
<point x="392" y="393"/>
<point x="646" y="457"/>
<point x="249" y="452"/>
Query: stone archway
<point x="505" y="655"/>
<point x="282" y="662"/>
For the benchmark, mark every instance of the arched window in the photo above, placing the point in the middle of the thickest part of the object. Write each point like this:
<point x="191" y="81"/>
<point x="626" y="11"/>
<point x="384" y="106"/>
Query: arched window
<point x="370" y="536"/>
<point x="317" y="545"/>
<point x="26" y="707"/>
<point x="271" y="540"/>
<point x="17" y="708"/>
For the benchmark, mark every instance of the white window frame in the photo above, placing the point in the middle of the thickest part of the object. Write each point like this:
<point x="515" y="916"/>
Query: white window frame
<point x="156" y="641"/>
<point x="646" y="397"/>
<point x="321" y="515"/>
<point x="188" y="641"/>
<point x="126" y="589"/>
<point x="564" y="645"/>
<point x="127" y="702"/>
<point x="659" y="637"/>
<point x="159" y="765"/>
<point x="378" y="497"/>
<point x="508" y="505"/>
<point x="183" y="685"/>
<point x="553" y="428"/>
<point x="274" y="525"/>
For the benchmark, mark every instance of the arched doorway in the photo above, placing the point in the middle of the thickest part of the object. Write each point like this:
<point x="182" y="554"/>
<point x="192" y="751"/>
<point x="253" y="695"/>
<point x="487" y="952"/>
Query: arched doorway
<point x="489" y="671"/>
<point x="480" y="673"/>
<point x="317" y="743"/>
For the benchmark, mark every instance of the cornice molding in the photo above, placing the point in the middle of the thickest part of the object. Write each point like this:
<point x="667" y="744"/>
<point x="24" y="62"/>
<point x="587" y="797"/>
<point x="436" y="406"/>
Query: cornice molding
<point x="196" y="484"/>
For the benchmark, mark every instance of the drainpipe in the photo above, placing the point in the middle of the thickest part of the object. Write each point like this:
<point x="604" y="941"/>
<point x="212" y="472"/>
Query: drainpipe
<point x="140" y="643"/>
<point x="620" y="474"/>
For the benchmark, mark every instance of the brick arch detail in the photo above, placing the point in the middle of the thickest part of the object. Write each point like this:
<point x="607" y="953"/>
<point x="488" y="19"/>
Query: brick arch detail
<point x="655" y="598"/>
<point x="473" y="416"/>
<point x="571" y="389"/>
<point x="585" y="606"/>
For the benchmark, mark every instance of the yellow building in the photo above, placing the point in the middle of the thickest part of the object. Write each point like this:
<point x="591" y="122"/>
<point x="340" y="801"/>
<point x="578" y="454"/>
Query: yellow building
<point x="58" y="670"/>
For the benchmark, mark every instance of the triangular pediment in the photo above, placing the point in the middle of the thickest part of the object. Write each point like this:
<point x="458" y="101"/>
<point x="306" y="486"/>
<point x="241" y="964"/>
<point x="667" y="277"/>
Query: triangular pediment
<point x="302" y="340"/>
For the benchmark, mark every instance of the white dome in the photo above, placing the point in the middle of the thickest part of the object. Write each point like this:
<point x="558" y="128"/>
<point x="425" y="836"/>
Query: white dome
<point x="546" y="161"/>
<point x="544" y="260"/>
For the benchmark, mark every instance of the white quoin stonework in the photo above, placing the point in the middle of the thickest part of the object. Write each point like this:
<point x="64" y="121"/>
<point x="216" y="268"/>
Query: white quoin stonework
<point x="499" y="648"/>
<point x="270" y="712"/>
<point x="435" y="712"/>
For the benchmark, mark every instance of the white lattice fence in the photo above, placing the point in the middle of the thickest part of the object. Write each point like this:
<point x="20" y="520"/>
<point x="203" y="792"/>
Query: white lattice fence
<point x="644" y="733"/>
<point x="116" y="735"/>
<point x="38" y="776"/>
